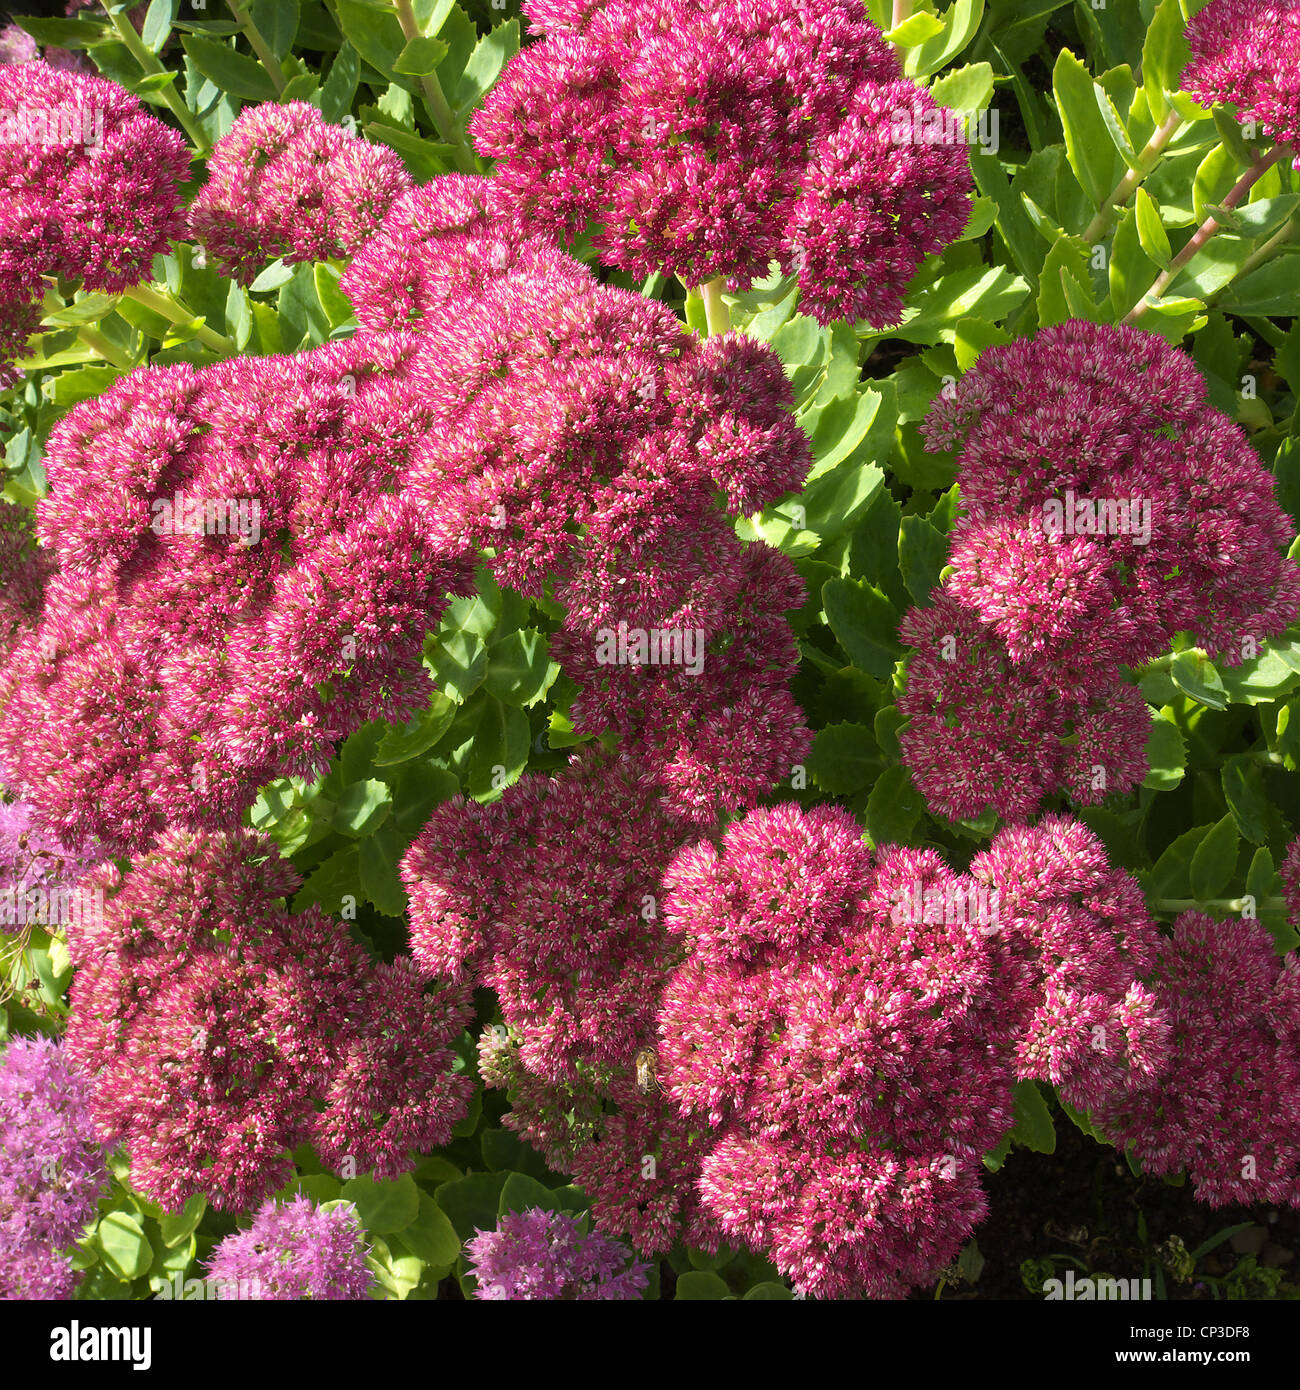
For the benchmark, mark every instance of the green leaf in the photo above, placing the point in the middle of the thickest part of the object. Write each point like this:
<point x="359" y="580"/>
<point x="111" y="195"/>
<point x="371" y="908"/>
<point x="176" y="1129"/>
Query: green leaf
<point x="702" y="1284"/>
<point x="922" y="554"/>
<point x="401" y="743"/>
<point x="232" y="72"/>
<point x="519" y="667"/>
<point x="178" y="1227"/>
<point x="420" y="57"/>
<point x="341" y="85"/>
<point x="501" y="748"/>
<point x="1215" y="860"/>
<point x="777" y="1293"/>
<point x="1088" y="143"/>
<point x="383" y="1206"/>
<point x="337" y="306"/>
<point x="158" y="24"/>
<point x="522" y="1193"/>
<point x="1166" y="754"/>
<point x="373" y="31"/>
<point x="379" y="856"/>
<point x="1033" y="1128"/>
<point x="967" y="89"/>
<point x="363" y="807"/>
<point x="1170" y="877"/>
<point x="1151" y="231"/>
<point x="431" y="1236"/>
<point x="1164" y="56"/>
<point x="277" y="22"/>
<point x="491" y="54"/>
<point x="915" y="29"/>
<point x="1195" y="674"/>
<point x="844" y="758"/>
<point x="1243" y="791"/>
<point x="893" y="808"/>
<point x="865" y="624"/>
<point x="124" y="1246"/>
<point x="471" y="1203"/>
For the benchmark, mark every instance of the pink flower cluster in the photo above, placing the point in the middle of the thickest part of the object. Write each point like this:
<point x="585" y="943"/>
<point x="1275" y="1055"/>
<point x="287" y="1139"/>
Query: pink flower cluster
<point x="850" y="1031"/>
<point x="1074" y="941"/>
<point x="284" y="182"/>
<point x="1227" y="1109"/>
<point x="550" y="896"/>
<point x="582" y="439"/>
<point x="241" y="585"/>
<point x="1243" y="54"/>
<point x="24" y="571"/>
<point x="1105" y="508"/>
<point x="711" y="140"/>
<point x="89" y="190"/>
<point x="221" y="1030"/>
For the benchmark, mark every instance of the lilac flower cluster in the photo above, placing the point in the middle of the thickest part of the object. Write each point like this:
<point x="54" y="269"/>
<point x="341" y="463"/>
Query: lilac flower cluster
<point x="538" y="1254"/>
<point x="1227" y="1109"/>
<point x="1243" y="54"/>
<point x="53" y="1170"/>
<point x="581" y="439"/>
<point x="221" y="1030"/>
<point x="284" y="182"/>
<point x="294" y="1250"/>
<point x="33" y="860"/>
<point x="712" y="140"/>
<point x="852" y="1053"/>
<point x="241" y="585"/>
<point x="89" y="190"/>
<point x="1105" y="508"/>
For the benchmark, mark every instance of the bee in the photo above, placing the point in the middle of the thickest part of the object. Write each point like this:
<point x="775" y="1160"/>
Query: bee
<point x="647" y="1077"/>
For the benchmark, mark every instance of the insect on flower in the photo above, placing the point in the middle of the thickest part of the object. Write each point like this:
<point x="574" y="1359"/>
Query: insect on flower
<point x="647" y="1075"/>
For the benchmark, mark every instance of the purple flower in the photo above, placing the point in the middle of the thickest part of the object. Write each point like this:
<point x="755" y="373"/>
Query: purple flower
<point x="53" y="1169"/>
<point x="294" y="1250"/>
<point x="539" y="1254"/>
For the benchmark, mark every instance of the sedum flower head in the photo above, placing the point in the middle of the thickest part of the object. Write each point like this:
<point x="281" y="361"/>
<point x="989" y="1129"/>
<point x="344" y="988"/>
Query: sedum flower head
<point x="222" y="1030"/>
<point x="294" y="1250"/>
<point x="241" y="585"/>
<point x="1227" y="1109"/>
<point x="53" y="1170"/>
<point x="713" y="140"/>
<point x="1103" y="500"/>
<point x="539" y="1254"/>
<point x="283" y="182"/>
<point x="89" y="189"/>
<point x="1243" y="54"/>
<point x="984" y="733"/>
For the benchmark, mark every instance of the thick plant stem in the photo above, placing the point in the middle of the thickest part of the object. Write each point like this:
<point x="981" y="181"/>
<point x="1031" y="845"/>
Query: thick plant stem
<point x="259" y="45"/>
<point x="1206" y="230"/>
<point x="187" y="119"/>
<point x="1216" y="904"/>
<point x="167" y="307"/>
<point x="716" y="313"/>
<point x="902" y="11"/>
<point x="439" y="108"/>
<point x="109" y="351"/>
<point x="1148" y="158"/>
